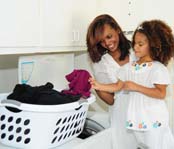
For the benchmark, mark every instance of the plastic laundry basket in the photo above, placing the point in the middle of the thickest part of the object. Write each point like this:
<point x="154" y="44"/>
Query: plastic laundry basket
<point x="41" y="126"/>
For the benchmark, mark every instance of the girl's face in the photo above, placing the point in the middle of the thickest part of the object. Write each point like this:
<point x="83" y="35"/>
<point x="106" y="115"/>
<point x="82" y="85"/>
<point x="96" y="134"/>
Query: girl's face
<point x="110" y="38"/>
<point x="141" y="46"/>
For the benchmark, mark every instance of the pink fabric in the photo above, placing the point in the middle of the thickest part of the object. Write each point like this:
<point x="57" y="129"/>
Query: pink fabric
<point x="78" y="83"/>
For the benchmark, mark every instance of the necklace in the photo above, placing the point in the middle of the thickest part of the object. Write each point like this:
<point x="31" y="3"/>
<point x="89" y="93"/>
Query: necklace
<point x="137" y="66"/>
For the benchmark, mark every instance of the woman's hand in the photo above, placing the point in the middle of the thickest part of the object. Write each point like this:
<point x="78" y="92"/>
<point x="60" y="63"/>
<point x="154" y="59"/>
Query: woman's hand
<point x="94" y="83"/>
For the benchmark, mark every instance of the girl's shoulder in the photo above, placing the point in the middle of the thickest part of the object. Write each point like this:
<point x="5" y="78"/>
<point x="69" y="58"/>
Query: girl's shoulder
<point x="159" y="66"/>
<point x="160" y="73"/>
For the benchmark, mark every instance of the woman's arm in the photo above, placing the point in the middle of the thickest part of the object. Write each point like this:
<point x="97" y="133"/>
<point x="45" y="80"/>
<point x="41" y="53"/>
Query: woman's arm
<point x="105" y="75"/>
<point x="106" y="97"/>
<point x="113" y="87"/>
<point x="159" y="91"/>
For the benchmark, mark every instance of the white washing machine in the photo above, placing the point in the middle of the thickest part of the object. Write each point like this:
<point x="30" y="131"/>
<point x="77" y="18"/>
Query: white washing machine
<point x="100" y="140"/>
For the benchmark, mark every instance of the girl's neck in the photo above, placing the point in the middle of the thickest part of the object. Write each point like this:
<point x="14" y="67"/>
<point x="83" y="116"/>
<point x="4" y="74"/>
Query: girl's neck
<point x="144" y="60"/>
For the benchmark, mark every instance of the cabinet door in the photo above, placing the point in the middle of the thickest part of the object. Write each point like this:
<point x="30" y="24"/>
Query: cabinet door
<point x="83" y="14"/>
<point x="56" y="23"/>
<point x="159" y="9"/>
<point x="125" y="12"/>
<point x="64" y="23"/>
<point x="130" y="13"/>
<point x="19" y="23"/>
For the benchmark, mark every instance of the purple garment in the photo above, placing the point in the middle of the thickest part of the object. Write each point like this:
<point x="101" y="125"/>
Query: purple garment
<point x="79" y="83"/>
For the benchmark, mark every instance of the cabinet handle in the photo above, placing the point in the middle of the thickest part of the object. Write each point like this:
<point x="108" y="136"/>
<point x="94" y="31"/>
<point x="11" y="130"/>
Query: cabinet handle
<point x="73" y="37"/>
<point x="78" y="36"/>
<point x="128" y="32"/>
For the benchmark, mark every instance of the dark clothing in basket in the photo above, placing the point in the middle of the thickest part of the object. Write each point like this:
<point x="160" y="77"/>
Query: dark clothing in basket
<point x="41" y="95"/>
<point x="79" y="83"/>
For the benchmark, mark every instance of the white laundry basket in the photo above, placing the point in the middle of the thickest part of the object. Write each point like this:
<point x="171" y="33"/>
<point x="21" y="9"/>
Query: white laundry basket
<point x="41" y="126"/>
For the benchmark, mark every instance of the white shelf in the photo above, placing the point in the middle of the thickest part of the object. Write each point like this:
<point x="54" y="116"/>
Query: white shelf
<point x="38" y="50"/>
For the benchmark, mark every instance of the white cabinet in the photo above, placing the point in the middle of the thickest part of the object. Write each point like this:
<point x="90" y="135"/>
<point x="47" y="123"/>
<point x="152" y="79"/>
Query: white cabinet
<point x="125" y="12"/>
<point x="56" y="23"/>
<point x="130" y="13"/>
<point x="159" y="9"/>
<point x="83" y="14"/>
<point x="32" y="26"/>
<point x="65" y="23"/>
<point x="29" y="26"/>
<point x="19" y="26"/>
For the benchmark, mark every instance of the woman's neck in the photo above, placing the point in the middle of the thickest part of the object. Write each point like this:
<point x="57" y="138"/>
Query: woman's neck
<point x="116" y="55"/>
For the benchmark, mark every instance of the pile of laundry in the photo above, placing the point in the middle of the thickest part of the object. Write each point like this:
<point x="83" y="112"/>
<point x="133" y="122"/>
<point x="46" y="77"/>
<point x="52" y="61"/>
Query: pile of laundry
<point x="46" y="95"/>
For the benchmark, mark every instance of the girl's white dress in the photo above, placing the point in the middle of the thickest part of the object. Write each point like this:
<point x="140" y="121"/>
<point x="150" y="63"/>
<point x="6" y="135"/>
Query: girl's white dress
<point x="144" y="112"/>
<point x="105" y="71"/>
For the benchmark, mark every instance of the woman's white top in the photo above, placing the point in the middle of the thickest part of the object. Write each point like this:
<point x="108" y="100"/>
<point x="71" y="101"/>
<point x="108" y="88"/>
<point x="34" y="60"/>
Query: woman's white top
<point x="105" y="71"/>
<point x="145" y="112"/>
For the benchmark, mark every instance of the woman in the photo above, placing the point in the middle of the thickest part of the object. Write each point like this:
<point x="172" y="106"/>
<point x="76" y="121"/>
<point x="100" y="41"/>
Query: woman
<point x="108" y="50"/>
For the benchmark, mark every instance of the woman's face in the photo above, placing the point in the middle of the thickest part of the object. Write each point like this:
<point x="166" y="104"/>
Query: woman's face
<point x="110" y="38"/>
<point x="141" y="46"/>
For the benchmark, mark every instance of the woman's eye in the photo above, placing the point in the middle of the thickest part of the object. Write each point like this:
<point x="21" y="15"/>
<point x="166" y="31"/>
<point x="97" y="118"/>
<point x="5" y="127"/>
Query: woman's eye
<point x="109" y="36"/>
<point x="102" y="41"/>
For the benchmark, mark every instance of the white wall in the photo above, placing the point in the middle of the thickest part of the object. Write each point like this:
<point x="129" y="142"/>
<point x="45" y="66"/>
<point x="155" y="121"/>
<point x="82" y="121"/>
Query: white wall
<point x="9" y="74"/>
<point x="8" y="79"/>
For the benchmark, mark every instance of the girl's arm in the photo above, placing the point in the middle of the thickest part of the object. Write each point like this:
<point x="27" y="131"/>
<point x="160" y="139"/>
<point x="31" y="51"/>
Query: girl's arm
<point x="159" y="91"/>
<point x="113" y="87"/>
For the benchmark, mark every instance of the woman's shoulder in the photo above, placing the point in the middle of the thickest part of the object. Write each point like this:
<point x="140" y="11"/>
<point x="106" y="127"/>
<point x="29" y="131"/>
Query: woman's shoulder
<point x="107" y="58"/>
<point x="106" y="69"/>
<point x="106" y="61"/>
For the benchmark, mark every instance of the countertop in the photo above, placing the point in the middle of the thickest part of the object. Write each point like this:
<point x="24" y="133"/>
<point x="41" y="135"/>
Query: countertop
<point x="101" y="140"/>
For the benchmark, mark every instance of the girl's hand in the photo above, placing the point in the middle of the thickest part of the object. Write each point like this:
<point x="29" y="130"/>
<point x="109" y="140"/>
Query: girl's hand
<point x="94" y="83"/>
<point x="129" y="85"/>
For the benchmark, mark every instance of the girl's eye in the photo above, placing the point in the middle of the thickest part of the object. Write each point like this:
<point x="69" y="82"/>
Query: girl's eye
<point x="140" y="44"/>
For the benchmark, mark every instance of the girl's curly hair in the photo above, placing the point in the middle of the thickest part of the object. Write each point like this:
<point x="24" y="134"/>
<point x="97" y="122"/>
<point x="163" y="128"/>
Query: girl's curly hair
<point x="160" y="38"/>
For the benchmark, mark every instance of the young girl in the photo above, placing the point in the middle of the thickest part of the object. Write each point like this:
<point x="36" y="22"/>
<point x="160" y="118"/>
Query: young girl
<point x="144" y="83"/>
